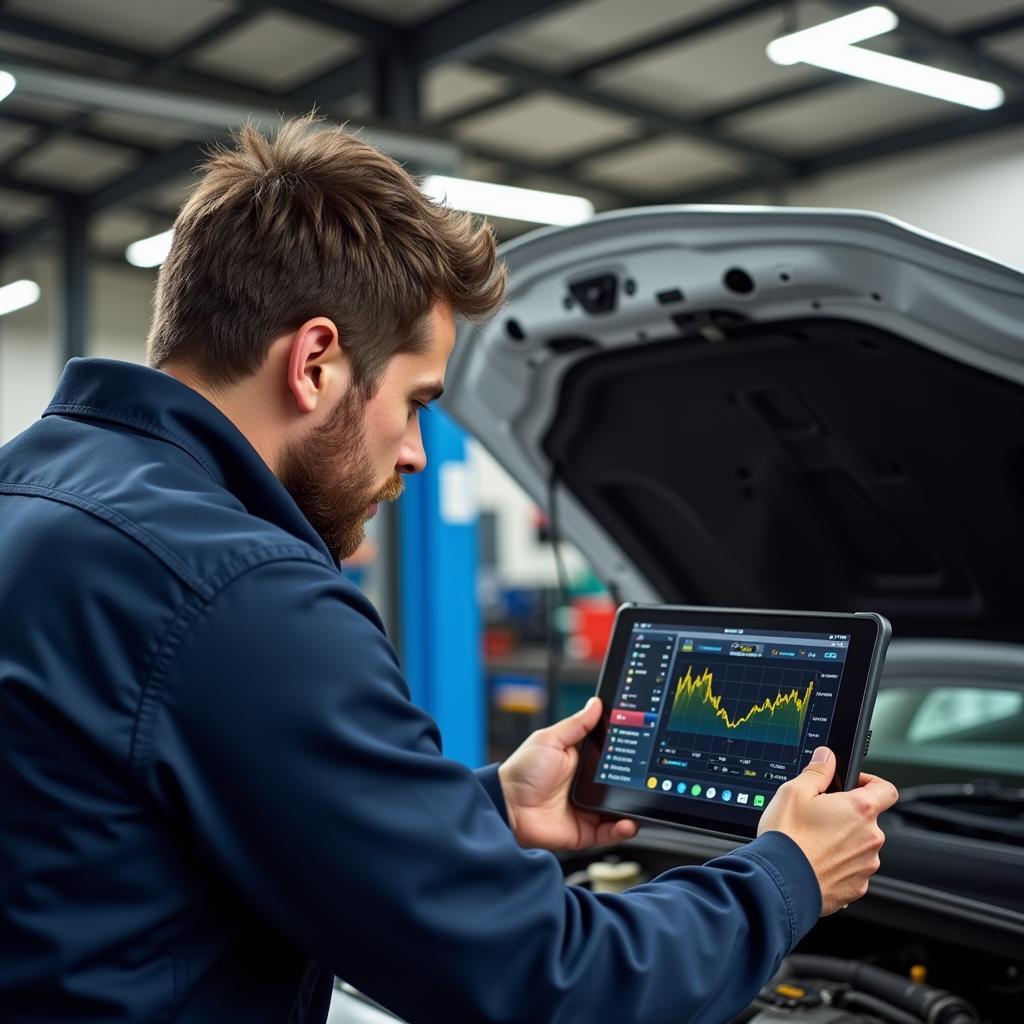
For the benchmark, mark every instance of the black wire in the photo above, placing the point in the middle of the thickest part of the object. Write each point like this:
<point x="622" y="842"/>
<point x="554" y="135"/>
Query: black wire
<point x="556" y="653"/>
<point x="861" y="1000"/>
<point x="555" y="536"/>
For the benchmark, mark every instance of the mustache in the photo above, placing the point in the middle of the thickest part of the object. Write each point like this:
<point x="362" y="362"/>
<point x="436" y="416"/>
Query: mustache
<point x="392" y="490"/>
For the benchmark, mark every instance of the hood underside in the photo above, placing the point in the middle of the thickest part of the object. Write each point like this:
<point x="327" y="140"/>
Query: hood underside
<point x="767" y="408"/>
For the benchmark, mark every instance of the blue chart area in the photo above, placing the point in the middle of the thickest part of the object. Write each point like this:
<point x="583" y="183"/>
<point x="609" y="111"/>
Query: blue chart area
<point x="750" y="710"/>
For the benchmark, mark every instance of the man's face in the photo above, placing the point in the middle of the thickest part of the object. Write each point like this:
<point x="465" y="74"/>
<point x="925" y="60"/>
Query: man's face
<point x="356" y="459"/>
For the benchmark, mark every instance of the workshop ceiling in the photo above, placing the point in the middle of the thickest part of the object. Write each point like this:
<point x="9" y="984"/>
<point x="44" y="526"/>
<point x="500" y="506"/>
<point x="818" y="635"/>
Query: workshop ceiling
<point x="625" y="103"/>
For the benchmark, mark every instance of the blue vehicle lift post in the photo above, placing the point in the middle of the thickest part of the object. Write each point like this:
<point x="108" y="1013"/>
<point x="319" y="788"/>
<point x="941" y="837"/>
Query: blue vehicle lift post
<point x="439" y="616"/>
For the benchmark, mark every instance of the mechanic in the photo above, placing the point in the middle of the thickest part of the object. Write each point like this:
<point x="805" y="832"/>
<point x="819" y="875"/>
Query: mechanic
<point x="216" y="793"/>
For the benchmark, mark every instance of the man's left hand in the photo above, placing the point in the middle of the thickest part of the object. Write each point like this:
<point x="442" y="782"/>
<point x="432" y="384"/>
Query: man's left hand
<point x="536" y="781"/>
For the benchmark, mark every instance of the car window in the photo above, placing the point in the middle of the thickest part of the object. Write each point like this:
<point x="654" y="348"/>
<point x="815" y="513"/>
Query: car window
<point x="948" y="712"/>
<point x="947" y="733"/>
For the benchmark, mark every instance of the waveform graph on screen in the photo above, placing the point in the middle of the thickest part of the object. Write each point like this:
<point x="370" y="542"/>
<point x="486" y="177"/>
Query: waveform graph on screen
<point x="742" y="705"/>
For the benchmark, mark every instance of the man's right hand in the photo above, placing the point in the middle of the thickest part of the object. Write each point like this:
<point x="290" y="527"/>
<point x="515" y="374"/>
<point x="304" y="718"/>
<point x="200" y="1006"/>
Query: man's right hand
<point x="838" y="832"/>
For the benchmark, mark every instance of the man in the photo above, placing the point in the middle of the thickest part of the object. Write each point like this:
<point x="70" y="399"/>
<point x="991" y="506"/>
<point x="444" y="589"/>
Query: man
<point x="216" y="793"/>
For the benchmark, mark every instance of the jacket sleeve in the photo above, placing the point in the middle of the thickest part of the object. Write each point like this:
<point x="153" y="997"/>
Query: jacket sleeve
<point x="280" y="733"/>
<point x="488" y="778"/>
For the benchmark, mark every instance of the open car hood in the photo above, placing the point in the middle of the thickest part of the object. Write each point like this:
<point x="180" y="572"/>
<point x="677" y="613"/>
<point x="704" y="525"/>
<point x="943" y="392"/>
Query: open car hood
<point x="766" y="407"/>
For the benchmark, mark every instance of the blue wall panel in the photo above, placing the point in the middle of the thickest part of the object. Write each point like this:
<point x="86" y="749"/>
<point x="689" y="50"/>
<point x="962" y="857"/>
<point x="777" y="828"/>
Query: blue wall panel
<point x="440" y="619"/>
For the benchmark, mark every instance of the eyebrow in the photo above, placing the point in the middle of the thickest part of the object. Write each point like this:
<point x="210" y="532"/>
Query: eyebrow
<point x="430" y="392"/>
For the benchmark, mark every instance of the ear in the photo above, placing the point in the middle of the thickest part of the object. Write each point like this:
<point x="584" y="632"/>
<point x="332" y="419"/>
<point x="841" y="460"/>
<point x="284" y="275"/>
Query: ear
<point x="313" y="358"/>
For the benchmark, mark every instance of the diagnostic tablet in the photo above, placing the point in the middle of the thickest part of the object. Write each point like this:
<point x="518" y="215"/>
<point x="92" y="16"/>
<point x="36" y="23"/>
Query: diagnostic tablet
<point x="707" y="711"/>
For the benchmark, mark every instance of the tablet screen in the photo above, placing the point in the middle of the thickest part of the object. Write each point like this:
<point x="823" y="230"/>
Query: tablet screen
<point x="720" y="715"/>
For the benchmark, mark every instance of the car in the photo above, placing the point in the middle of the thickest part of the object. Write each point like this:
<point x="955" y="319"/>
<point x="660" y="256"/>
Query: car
<point x="814" y="409"/>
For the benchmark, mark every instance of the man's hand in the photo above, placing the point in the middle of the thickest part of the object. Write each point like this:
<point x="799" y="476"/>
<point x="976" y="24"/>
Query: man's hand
<point x="838" y="832"/>
<point x="536" y="780"/>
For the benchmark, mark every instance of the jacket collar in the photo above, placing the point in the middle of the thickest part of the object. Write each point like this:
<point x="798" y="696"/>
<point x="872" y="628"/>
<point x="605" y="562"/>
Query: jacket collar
<point x="157" y="404"/>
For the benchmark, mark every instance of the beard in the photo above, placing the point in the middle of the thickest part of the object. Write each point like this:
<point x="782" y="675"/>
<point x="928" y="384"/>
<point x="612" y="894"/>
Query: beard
<point x="330" y="477"/>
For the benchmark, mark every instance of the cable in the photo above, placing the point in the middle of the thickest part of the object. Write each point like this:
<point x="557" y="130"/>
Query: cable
<point x="933" y="1005"/>
<point x="880" y="1008"/>
<point x="555" y="535"/>
<point x="556" y="654"/>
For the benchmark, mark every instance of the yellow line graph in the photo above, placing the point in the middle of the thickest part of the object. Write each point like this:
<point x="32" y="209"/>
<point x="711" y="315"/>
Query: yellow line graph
<point x="792" y="704"/>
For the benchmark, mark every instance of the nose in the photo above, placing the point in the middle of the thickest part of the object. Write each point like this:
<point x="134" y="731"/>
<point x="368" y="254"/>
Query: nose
<point x="412" y="457"/>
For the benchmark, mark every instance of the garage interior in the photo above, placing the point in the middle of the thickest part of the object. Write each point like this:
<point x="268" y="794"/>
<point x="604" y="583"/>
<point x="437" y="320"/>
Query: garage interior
<point x="111" y="108"/>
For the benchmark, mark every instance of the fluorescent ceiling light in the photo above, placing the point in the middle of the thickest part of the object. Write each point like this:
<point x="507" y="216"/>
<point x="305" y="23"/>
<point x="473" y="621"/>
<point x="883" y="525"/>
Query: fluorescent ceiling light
<point x="150" y="252"/>
<point x="845" y="31"/>
<point x="909" y="75"/>
<point x="505" y="201"/>
<point x="18" y="295"/>
<point x="7" y="84"/>
<point x="831" y="46"/>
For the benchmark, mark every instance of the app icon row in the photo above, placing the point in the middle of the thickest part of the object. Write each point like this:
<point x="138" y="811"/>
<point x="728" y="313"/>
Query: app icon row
<point x="709" y="793"/>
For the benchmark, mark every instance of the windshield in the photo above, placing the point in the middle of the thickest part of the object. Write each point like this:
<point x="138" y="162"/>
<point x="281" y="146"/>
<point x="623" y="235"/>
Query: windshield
<point x="948" y="732"/>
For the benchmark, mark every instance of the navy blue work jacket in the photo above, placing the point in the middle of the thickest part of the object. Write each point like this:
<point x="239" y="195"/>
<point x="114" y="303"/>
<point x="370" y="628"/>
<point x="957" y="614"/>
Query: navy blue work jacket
<point x="216" y="795"/>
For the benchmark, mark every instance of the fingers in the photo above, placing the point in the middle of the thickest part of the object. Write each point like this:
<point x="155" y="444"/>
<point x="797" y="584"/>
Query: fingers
<point x="570" y="731"/>
<point x="615" y="831"/>
<point x="883" y="794"/>
<point x="625" y="829"/>
<point x="819" y="772"/>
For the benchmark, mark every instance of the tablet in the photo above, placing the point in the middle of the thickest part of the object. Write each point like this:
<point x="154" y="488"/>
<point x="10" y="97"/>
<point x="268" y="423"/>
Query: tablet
<point x="707" y="711"/>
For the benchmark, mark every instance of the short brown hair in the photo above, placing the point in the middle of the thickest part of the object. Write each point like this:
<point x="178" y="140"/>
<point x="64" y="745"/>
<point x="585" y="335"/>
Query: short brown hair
<point x="312" y="222"/>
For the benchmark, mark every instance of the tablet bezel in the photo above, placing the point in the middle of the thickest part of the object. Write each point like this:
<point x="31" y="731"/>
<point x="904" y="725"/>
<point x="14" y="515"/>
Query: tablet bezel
<point x="855" y="700"/>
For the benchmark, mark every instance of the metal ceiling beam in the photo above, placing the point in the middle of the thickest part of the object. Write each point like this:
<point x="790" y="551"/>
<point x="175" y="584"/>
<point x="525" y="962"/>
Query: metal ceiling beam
<point x="47" y="32"/>
<point x="689" y="29"/>
<point x="484" y="106"/>
<point x="79" y="130"/>
<point x="168" y="62"/>
<point x="767" y="162"/>
<point x="169" y="164"/>
<point x="172" y="60"/>
<point x="175" y="100"/>
<point x="94" y="46"/>
<point x="933" y="39"/>
<point x="34" y="188"/>
<point x="825" y="83"/>
<point x="459" y="33"/>
<point x="714" y="117"/>
<point x="473" y="27"/>
<point x="962" y="126"/>
<point x="526" y="169"/>
<point x="888" y="144"/>
<point x="24" y="238"/>
<point x="344" y="19"/>
<point x="394" y="87"/>
<point x="207" y="114"/>
<point x="685" y="32"/>
<point x="78" y="125"/>
<point x="341" y="82"/>
<point x="994" y="27"/>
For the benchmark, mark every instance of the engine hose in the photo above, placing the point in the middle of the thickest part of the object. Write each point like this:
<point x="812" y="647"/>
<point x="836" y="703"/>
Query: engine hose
<point x="855" y="1000"/>
<point x="931" y="1005"/>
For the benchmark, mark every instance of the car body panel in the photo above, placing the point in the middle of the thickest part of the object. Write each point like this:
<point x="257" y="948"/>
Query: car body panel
<point x="773" y="408"/>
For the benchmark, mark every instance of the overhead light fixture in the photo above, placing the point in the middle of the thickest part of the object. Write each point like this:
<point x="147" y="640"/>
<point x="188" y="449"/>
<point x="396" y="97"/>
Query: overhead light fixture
<point x="845" y="31"/>
<point x="7" y="84"/>
<point x="18" y="295"/>
<point x="492" y="200"/>
<point x="831" y="45"/>
<point x="150" y="252"/>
